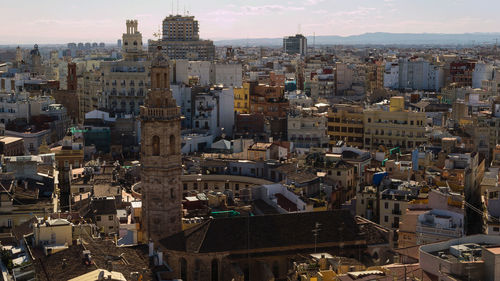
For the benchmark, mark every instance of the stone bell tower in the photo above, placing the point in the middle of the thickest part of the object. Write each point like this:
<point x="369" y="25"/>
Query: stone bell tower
<point x="160" y="155"/>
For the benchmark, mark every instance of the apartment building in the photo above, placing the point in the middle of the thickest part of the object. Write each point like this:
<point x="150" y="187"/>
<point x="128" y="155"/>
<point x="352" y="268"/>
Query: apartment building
<point x="268" y="100"/>
<point x="307" y="128"/>
<point x="212" y="110"/>
<point x="396" y="128"/>
<point x="344" y="77"/>
<point x="181" y="40"/>
<point x="125" y="82"/>
<point x="295" y="45"/>
<point x="345" y="123"/>
<point x="242" y="98"/>
<point x="393" y="205"/>
<point x="117" y="86"/>
<point x="90" y="92"/>
<point x="461" y="72"/>
<point x="125" y="85"/>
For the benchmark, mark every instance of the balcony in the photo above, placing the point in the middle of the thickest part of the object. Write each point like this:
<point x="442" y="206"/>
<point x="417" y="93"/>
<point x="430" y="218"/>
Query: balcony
<point x="205" y="108"/>
<point x="436" y="230"/>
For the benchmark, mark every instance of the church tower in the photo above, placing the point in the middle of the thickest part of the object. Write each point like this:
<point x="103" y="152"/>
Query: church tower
<point x="160" y="156"/>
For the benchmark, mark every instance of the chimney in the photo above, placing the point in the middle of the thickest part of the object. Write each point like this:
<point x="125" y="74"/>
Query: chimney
<point x="151" y="248"/>
<point x="322" y="262"/>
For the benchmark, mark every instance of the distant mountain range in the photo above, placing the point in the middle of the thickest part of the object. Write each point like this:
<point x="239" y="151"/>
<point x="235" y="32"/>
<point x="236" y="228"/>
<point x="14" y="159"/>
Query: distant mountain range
<point x="378" y="38"/>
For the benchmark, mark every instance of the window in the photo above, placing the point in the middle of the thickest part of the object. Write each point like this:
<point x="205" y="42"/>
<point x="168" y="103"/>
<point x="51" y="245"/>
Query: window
<point x="237" y="186"/>
<point x="205" y="186"/>
<point x="185" y="186"/>
<point x="172" y="193"/>
<point x="172" y="145"/>
<point x="386" y="205"/>
<point x="156" y="146"/>
<point x="98" y="218"/>
<point x="184" y="269"/>
<point x="496" y="229"/>
<point x="338" y="173"/>
<point x="386" y="218"/>
<point x="110" y="218"/>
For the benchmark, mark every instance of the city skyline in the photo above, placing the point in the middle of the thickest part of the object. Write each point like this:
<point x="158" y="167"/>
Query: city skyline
<point x="56" y="22"/>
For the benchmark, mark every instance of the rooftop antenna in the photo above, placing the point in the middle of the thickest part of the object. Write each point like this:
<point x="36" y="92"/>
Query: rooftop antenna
<point x="314" y="42"/>
<point x="158" y="33"/>
<point x="315" y="232"/>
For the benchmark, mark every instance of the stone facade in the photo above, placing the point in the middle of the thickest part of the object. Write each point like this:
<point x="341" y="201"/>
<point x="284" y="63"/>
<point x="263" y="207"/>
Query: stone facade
<point x="160" y="156"/>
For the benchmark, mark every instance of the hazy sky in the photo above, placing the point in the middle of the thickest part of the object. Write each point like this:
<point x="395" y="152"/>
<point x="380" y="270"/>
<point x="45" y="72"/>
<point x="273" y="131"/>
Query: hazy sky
<point x="62" y="21"/>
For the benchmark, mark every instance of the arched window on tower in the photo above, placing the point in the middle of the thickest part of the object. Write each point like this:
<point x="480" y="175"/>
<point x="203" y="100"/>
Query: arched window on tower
<point x="276" y="270"/>
<point x="215" y="270"/>
<point x="183" y="265"/>
<point x="157" y="82"/>
<point x="165" y="80"/>
<point x="156" y="146"/>
<point x="172" y="147"/>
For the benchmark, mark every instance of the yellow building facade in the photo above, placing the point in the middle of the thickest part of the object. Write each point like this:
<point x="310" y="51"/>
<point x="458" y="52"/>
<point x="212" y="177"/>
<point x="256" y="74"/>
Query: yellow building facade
<point x="345" y="122"/>
<point x="242" y="99"/>
<point x="404" y="129"/>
